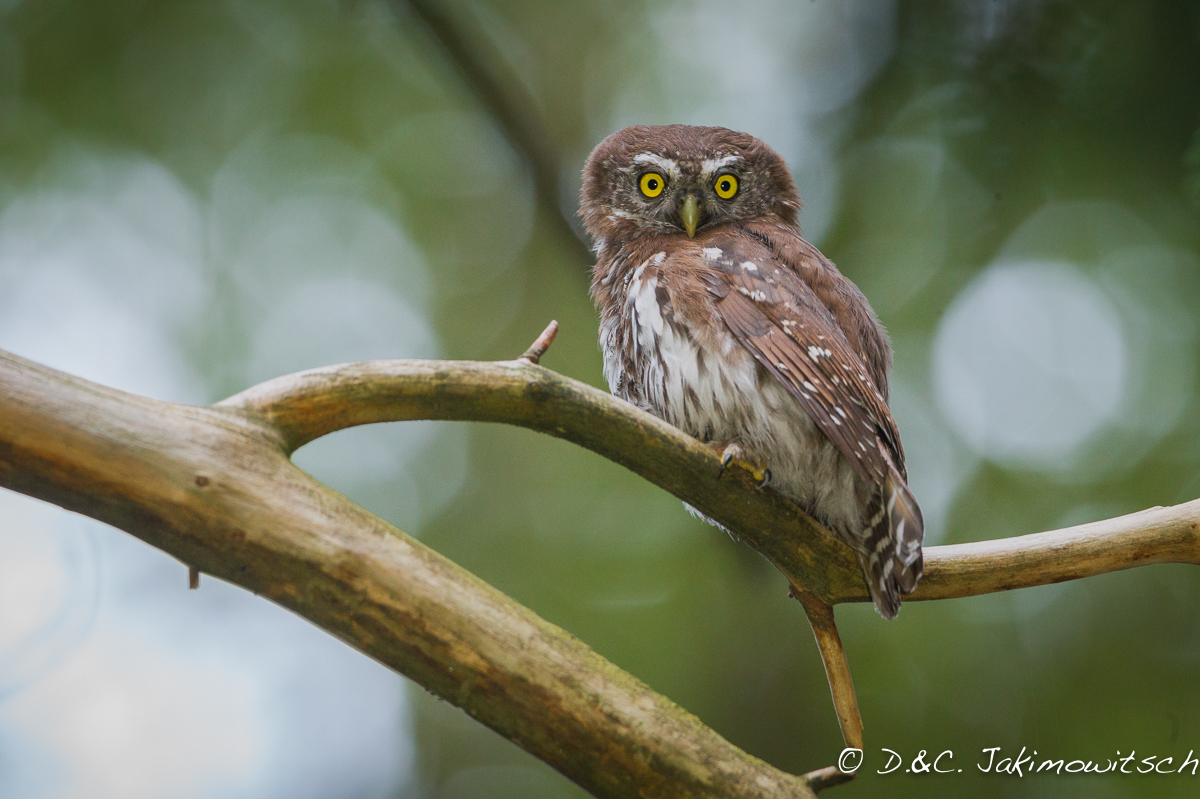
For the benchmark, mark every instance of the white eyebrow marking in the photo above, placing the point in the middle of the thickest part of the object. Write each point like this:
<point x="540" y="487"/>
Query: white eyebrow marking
<point x="713" y="164"/>
<point x="665" y="164"/>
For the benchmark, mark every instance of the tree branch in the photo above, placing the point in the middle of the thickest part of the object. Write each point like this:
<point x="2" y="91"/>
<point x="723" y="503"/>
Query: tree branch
<point x="837" y="669"/>
<point x="1155" y="535"/>
<point x="307" y="405"/>
<point x="821" y="570"/>
<point x="214" y="487"/>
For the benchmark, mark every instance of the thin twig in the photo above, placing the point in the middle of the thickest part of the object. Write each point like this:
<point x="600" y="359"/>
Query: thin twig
<point x="828" y="777"/>
<point x="193" y="578"/>
<point x="542" y="343"/>
<point x="837" y="670"/>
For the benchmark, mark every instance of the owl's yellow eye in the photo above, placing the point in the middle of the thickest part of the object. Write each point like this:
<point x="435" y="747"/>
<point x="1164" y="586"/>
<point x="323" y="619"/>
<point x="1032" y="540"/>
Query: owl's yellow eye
<point x="652" y="184"/>
<point x="726" y="187"/>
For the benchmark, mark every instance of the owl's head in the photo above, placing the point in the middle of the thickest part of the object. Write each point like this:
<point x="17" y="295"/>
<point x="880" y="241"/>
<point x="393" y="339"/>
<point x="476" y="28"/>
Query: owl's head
<point x="682" y="179"/>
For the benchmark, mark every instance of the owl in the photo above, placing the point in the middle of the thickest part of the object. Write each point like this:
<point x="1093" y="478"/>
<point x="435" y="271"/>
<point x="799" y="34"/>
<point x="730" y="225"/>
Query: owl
<point x="716" y="316"/>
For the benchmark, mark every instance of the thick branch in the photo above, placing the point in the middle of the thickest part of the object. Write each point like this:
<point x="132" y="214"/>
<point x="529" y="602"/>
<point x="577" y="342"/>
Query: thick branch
<point x="214" y="487"/>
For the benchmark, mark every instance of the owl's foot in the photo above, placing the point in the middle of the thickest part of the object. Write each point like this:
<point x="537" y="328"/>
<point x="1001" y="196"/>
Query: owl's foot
<point x="733" y="453"/>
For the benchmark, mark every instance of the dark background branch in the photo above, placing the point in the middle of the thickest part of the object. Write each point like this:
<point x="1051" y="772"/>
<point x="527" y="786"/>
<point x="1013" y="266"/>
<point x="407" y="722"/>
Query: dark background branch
<point x="498" y="87"/>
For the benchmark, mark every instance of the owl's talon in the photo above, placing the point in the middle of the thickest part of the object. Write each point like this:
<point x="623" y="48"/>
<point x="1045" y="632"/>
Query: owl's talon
<point x="734" y="453"/>
<point x="729" y="454"/>
<point x="766" y="480"/>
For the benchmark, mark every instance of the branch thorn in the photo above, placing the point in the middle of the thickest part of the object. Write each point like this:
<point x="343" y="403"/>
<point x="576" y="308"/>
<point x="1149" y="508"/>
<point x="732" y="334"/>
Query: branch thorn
<point x="538" y="348"/>
<point x="827" y="777"/>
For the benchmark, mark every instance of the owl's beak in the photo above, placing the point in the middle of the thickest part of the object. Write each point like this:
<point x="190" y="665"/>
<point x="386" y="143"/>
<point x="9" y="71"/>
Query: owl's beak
<point x="689" y="214"/>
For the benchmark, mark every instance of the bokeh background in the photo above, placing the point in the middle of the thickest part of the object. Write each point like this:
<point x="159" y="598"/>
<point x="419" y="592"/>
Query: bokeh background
<point x="196" y="196"/>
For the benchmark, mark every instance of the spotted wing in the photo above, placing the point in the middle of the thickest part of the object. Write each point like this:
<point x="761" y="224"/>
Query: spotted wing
<point x="772" y="312"/>
<point x="778" y="318"/>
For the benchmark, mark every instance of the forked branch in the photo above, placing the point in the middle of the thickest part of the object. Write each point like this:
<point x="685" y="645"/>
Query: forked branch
<point x="215" y="488"/>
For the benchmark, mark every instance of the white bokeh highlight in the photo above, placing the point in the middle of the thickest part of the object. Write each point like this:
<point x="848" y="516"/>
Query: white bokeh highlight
<point x="938" y="464"/>
<point x="327" y="320"/>
<point x="116" y="682"/>
<point x="1029" y="362"/>
<point x="48" y="589"/>
<point x="99" y="272"/>
<point x="114" y="722"/>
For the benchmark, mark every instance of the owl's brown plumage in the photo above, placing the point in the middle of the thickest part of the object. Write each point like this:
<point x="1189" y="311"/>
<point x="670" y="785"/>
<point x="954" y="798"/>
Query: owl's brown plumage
<point x="719" y="318"/>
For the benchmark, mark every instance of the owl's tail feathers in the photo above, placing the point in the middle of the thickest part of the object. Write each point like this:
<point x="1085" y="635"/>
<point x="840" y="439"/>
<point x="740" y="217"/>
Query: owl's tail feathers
<point x="908" y="530"/>
<point x="891" y="556"/>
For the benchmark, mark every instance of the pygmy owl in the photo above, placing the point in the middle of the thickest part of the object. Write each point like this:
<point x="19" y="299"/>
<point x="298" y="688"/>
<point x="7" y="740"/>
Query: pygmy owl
<point x="716" y="316"/>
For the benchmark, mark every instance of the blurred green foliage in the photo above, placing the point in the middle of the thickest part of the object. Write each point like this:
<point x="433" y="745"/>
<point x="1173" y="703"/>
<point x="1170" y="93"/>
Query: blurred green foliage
<point x="336" y="142"/>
